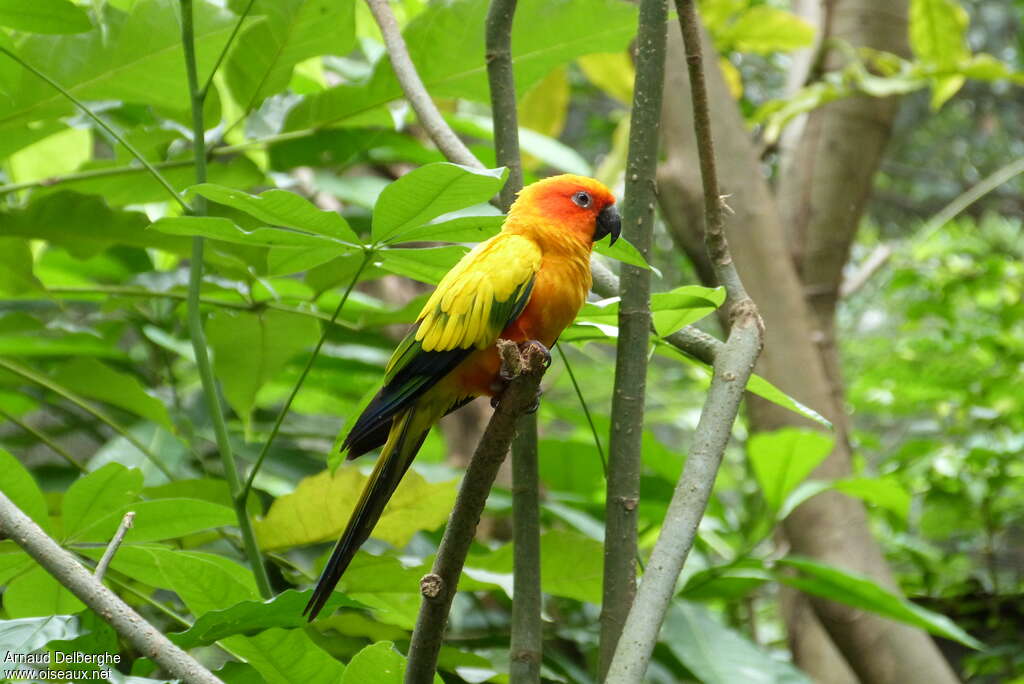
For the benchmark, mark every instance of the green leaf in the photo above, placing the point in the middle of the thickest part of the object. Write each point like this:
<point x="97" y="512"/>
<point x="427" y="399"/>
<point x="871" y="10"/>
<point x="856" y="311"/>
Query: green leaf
<point x="426" y="264"/>
<point x="461" y="229"/>
<point x="765" y="29"/>
<point x="29" y="635"/>
<point x="572" y="565"/>
<point x="16" y="267"/>
<point x="281" y="208"/>
<point x="716" y="654"/>
<point x="826" y="581"/>
<point x="204" y="581"/>
<point x="286" y="656"/>
<point x="266" y="52"/>
<point x="446" y="43"/>
<point x="94" y="496"/>
<point x="885" y="492"/>
<point x="36" y="594"/>
<point x="226" y="230"/>
<point x="161" y="519"/>
<point x="623" y="250"/>
<point x="428" y="192"/>
<point x="249" y="617"/>
<point x="783" y="458"/>
<point x="250" y="349"/>
<point x="767" y="390"/>
<point x="94" y="379"/>
<point x="732" y="582"/>
<point x="22" y="490"/>
<point x="136" y="57"/>
<point x="13" y="563"/>
<point x="546" y="149"/>
<point x="379" y="663"/>
<point x="938" y="31"/>
<point x="86" y="226"/>
<point x="44" y="16"/>
<point x="321" y="505"/>
<point x="671" y="310"/>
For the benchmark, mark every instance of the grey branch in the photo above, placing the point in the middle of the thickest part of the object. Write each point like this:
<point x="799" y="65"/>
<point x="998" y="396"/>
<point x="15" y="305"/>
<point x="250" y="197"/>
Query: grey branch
<point x="439" y="587"/>
<point x="115" y="543"/>
<point x="450" y="145"/>
<point x="527" y="638"/>
<point x="733" y="365"/>
<point x="631" y="351"/>
<point x="129" y="624"/>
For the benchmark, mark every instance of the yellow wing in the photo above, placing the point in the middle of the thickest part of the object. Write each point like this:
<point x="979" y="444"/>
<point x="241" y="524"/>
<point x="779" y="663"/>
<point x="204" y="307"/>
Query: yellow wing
<point x="476" y="299"/>
<point x="472" y="304"/>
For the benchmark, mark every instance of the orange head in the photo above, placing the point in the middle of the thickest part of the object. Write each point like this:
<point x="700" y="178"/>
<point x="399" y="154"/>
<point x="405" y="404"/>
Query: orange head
<point x="566" y="206"/>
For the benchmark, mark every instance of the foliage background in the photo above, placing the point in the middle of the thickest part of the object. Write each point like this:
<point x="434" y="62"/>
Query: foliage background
<point x="98" y="383"/>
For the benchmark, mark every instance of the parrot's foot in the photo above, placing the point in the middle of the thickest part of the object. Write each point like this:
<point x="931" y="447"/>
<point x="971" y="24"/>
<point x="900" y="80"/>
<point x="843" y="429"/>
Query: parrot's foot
<point x="539" y="346"/>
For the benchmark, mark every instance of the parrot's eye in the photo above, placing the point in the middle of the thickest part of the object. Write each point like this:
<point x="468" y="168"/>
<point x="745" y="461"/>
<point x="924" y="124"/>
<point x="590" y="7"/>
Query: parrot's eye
<point x="581" y="199"/>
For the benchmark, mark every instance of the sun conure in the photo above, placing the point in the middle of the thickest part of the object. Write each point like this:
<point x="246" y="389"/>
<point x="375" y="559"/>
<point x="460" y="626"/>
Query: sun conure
<point x="527" y="283"/>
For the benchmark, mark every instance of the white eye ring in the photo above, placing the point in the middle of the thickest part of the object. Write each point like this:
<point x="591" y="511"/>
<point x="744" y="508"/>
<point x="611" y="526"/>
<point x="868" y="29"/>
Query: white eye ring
<point x="581" y="199"/>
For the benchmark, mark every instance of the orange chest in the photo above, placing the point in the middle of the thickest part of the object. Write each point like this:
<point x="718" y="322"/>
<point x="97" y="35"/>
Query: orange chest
<point x="558" y="294"/>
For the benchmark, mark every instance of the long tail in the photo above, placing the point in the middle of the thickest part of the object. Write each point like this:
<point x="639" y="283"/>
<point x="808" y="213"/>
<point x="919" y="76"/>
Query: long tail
<point x="408" y="430"/>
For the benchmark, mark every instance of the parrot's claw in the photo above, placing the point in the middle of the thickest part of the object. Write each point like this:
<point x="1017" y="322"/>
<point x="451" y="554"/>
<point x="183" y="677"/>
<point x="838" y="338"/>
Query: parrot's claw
<point x="539" y="346"/>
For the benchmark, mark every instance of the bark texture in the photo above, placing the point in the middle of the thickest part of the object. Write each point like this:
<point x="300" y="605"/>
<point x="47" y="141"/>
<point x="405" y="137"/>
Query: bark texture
<point x="791" y="249"/>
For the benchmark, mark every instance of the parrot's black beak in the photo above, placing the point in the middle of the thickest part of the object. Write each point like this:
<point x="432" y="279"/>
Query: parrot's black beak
<point x="608" y="223"/>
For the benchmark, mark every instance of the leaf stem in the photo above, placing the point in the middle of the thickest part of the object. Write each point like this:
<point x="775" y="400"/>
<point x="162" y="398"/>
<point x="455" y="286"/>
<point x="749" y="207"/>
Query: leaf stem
<point x="98" y="414"/>
<point x="195" y="322"/>
<point x="224" y="51"/>
<point x="102" y="124"/>
<point x="45" y="439"/>
<point x="244" y="494"/>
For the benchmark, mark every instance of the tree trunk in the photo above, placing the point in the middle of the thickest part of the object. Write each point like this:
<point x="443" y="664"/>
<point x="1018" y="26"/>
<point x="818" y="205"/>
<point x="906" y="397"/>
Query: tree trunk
<point x="830" y="527"/>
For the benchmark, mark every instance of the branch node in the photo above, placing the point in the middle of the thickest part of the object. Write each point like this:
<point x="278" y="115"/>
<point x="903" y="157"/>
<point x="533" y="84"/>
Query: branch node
<point x="431" y="586"/>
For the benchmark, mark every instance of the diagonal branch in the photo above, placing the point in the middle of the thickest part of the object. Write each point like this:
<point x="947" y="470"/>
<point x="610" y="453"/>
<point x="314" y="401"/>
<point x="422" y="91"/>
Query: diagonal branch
<point x="129" y="624"/>
<point x="439" y="587"/>
<point x="160" y="178"/>
<point x="733" y="366"/>
<point x="450" y="145"/>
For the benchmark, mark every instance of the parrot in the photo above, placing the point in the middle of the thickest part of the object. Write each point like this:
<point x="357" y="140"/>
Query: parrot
<point x="525" y="284"/>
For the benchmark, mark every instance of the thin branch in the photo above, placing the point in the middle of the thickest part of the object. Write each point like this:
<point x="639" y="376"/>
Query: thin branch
<point x="450" y="145"/>
<point x="439" y="587"/>
<point x="195" y="322"/>
<point x="631" y="350"/>
<point x="733" y="365"/>
<point x="368" y="254"/>
<point x="115" y="543"/>
<point x="501" y="79"/>
<point x="98" y="414"/>
<point x="527" y="642"/>
<point x="224" y="51"/>
<point x="880" y="256"/>
<point x="45" y="439"/>
<point x="129" y="624"/>
<point x="527" y="627"/>
<point x="102" y="124"/>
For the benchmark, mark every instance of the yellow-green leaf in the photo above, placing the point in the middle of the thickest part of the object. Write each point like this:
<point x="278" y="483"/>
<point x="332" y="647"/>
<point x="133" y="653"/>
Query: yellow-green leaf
<point x="321" y="505"/>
